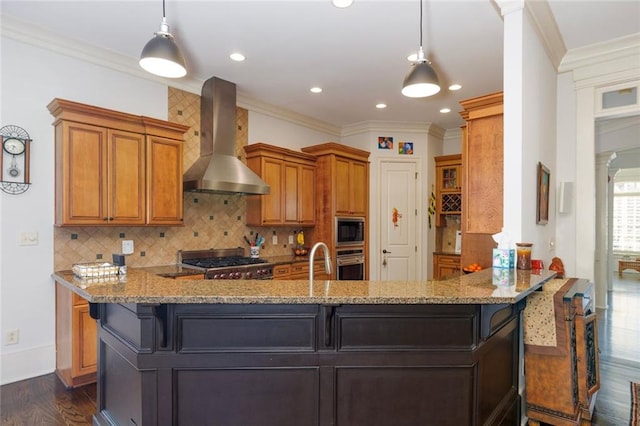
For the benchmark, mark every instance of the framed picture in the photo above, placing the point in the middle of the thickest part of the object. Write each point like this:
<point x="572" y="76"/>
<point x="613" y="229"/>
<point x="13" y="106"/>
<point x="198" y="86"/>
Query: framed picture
<point x="385" y="142"/>
<point x="542" y="216"/>
<point x="405" y="148"/>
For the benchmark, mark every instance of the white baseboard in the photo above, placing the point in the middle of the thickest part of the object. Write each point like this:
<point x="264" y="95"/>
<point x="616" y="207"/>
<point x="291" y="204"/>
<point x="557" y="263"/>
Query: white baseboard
<point x="32" y="362"/>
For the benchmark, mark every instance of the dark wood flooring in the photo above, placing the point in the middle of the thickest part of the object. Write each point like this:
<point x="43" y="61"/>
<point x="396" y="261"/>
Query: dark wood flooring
<point x="44" y="401"/>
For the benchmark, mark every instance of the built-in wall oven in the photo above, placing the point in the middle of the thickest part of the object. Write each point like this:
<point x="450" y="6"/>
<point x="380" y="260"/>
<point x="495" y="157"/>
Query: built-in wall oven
<point x="349" y="231"/>
<point x="350" y="264"/>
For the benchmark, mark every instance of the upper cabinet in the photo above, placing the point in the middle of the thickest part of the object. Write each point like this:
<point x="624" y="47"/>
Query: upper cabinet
<point x="482" y="157"/>
<point x="448" y="186"/>
<point x="291" y="176"/>
<point x="352" y="176"/>
<point x="482" y="187"/>
<point x="115" y="169"/>
<point x="344" y="177"/>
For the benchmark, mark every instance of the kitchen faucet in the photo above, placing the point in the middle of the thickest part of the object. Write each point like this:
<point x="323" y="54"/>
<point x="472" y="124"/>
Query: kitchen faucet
<point x="327" y="260"/>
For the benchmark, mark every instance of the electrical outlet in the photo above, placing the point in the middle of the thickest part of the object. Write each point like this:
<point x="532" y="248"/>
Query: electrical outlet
<point x="290" y="239"/>
<point x="274" y="240"/>
<point x="11" y="338"/>
<point x="127" y="246"/>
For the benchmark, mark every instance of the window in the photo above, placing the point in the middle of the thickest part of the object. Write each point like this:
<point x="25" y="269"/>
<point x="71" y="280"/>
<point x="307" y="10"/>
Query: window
<point x="626" y="211"/>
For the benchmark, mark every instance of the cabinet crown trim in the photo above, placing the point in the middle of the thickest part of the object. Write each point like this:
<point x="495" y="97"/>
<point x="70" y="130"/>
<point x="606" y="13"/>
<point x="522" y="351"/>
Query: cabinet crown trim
<point x="63" y="109"/>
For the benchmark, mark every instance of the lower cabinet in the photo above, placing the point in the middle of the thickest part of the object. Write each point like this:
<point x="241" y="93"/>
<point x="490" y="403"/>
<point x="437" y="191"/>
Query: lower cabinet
<point x="445" y="265"/>
<point x="187" y="364"/>
<point x="76" y="340"/>
<point x="299" y="271"/>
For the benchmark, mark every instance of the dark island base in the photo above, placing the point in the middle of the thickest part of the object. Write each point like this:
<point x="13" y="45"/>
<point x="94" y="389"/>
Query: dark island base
<point x="202" y="364"/>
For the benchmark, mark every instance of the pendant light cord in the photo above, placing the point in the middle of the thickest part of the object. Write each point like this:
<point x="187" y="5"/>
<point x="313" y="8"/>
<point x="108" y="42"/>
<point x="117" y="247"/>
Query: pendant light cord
<point x="164" y="15"/>
<point x="420" y="23"/>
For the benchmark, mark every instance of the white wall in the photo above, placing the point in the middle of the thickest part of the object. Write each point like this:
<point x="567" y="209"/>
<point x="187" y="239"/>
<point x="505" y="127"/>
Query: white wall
<point x="31" y="78"/>
<point x="529" y="132"/>
<point x="281" y="132"/>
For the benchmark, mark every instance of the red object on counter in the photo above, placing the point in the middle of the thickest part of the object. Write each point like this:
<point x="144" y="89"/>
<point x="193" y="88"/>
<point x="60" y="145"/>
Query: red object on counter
<point x="558" y="266"/>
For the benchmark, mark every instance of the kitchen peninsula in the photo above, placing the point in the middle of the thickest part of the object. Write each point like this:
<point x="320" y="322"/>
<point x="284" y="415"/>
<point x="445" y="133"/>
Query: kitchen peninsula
<point x="290" y="353"/>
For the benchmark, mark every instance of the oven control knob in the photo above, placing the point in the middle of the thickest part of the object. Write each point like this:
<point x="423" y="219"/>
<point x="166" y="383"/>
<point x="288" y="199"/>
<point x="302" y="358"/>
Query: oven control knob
<point x="237" y="275"/>
<point x="215" y="276"/>
<point x="223" y="276"/>
<point x="249" y="275"/>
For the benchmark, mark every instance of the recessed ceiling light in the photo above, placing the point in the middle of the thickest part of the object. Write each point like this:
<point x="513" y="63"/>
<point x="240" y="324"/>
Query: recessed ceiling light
<point x="316" y="90"/>
<point x="445" y="110"/>
<point x="238" y="57"/>
<point x="342" y="3"/>
<point x="381" y="106"/>
<point x="455" y="87"/>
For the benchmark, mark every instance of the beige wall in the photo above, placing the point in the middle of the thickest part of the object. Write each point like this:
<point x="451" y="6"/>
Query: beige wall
<point x="210" y="220"/>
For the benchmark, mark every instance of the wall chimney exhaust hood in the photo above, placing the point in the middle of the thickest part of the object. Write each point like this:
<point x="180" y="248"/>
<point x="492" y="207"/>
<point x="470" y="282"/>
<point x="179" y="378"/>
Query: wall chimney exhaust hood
<point x="218" y="170"/>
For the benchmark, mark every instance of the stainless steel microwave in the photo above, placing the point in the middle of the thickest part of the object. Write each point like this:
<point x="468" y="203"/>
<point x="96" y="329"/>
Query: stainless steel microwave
<point x="349" y="231"/>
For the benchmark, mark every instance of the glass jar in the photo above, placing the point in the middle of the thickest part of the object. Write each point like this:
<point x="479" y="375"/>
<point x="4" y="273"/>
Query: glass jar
<point x="523" y="255"/>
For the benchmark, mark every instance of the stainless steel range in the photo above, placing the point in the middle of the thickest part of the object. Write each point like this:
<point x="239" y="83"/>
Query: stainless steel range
<point x="226" y="264"/>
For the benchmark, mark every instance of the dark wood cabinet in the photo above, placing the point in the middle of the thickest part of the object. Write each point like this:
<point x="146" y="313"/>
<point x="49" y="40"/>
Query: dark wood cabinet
<point x="308" y="364"/>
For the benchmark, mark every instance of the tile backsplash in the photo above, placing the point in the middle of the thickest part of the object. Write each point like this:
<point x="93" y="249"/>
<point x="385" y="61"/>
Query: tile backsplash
<point x="210" y="220"/>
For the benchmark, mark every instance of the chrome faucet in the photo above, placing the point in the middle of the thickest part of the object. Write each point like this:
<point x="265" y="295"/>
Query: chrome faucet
<point x="327" y="259"/>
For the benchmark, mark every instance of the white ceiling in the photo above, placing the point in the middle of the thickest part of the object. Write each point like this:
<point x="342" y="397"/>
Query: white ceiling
<point x="357" y="55"/>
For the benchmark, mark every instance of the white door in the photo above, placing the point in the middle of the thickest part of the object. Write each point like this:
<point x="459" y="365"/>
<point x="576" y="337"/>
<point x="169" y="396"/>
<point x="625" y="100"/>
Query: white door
<point x="398" y="221"/>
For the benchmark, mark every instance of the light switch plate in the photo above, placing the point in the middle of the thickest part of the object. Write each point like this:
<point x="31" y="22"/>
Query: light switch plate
<point x="274" y="240"/>
<point x="290" y="239"/>
<point x="29" y="239"/>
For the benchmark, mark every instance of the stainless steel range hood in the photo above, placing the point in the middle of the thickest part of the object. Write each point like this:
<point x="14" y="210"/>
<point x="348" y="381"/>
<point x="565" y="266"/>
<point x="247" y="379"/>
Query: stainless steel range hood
<point x="218" y="169"/>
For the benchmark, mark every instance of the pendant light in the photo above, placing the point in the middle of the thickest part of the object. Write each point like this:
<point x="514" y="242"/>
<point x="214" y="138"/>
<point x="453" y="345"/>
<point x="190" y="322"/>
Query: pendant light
<point x="421" y="81"/>
<point x="161" y="55"/>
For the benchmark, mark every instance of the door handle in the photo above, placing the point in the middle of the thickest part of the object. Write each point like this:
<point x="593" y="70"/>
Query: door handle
<point x="385" y="251"/>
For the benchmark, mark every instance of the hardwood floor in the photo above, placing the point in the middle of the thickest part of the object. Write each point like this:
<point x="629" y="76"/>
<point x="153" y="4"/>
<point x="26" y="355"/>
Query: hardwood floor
<point x="44" y="400"/>
<point x="619" y="341"/>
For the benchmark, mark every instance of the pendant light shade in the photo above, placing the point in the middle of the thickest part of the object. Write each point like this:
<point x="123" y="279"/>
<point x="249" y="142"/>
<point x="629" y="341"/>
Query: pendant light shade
<point x="161" y="55"/>
<point x="422" y="80"/>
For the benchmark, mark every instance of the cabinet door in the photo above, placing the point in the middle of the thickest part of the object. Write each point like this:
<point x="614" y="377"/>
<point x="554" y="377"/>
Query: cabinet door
<point x="307" y="196"/>
<point x="351" y="187"/>
<point x="85" y="344"/>
<point x="81" y="174"/>
<point x="164" y="176"/>
<point x="445" y="266"/>
<point x="483" y="158"/>
<point x="359" y="185"/>
<point x="126" y="178"/>
<point x="290" y="194"/>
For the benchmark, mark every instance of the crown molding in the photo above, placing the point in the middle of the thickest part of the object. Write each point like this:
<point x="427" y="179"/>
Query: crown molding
<point x="547" y="29"/>
<point x="29" y="34"/>
<point x="386" y="126"/>
<point x="621" y="48"/>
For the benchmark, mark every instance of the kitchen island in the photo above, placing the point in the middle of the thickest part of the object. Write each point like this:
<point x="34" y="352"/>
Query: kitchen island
<point x="236" y="352"/>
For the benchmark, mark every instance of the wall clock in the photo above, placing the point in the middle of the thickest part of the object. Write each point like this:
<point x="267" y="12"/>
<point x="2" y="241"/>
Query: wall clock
<point x="14" y="161"/>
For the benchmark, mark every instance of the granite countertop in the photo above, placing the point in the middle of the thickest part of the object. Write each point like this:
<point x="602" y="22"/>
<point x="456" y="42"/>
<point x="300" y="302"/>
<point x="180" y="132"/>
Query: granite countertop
<point x="140" y="285"/>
